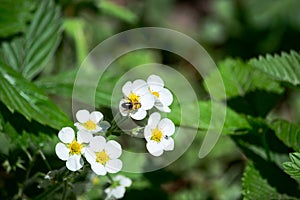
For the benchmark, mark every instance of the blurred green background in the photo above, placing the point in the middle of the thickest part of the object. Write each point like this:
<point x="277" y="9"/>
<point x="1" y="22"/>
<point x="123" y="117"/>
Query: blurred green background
<point x="226" y="28"/>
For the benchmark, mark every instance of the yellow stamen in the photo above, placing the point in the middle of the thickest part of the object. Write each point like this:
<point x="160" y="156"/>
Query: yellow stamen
<point x="135" y="100"/>
<point x="102" y="157"/>
<point x="75" y="147"/>
<point x="156" y="135"/>
<point x="155" y="94"/>
<point x="90" y="125"/>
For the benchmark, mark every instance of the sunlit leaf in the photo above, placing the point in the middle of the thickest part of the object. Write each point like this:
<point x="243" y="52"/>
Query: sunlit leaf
<point x="39" y="42"/>
<point x="288" y="133"/>
<point x="284" y="67"/>
<point x="293" y="168"/>
<point x="18" y="94"/>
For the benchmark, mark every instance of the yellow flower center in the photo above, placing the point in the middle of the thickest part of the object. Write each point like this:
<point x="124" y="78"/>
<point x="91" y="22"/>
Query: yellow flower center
<point x="75" y="147"/>
<point x="135" y="100"/>
<point x="90" y="125"/>
<point x="102" y="157"/>
<point x="156" y="135"/>
<point x="155" y="94"/>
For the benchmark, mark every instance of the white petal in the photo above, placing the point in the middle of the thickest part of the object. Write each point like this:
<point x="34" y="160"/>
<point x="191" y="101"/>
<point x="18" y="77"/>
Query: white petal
<point x="90" y="155"/>
<point x="155" y="82"/>
<point x="79" y="126"/>
<point x="98" y="169"/>
<point x="62" y="151"/>
<point x="154" y="119"/>
<point x="118" y="192"/>
<point x="147" y="133"/>
<point x="139" y="115"/>
<point x="162" y="108"/>
<point x="96" y="116"/>
<point x="139" y="87"/>
<point x="124" y="181"/>
<point x="66" y="135"/>
<point x="97" y="129"/>
<point x="166" y="126"/>
<point x="168" y="144"/>
<point x="82" y="116"/>
<point x="147" y="101"/>
<point x="97" y="143"/>
<point x="108" y="192"/>
<point x="165" y="97"/>
<point x="154" y="148"/>
<point x="126" y="89"/>
<point x="74" y="163"/>
<point x="113" y="149"/>
<point x="84" y="136"/>
<point x="114" y="165"/>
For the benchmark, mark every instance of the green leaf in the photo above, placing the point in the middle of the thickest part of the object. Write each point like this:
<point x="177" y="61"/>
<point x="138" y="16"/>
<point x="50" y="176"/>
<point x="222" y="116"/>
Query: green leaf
<point x="240" y="78"/>
<point x="13" y="16"/>
<point x="293" y="168"/>
<point x="233" y="121"/>
<point x="256" y="187"/>
<point x="285" y="67"/>
<point x="117" y="11"/>
<point x="288" y="133"/>
<point x="18" y="94"/>
<point x="39" y="42"/>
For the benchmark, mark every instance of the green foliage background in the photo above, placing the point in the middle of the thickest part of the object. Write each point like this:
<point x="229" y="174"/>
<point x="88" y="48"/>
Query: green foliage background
<point x="255" y="44"/>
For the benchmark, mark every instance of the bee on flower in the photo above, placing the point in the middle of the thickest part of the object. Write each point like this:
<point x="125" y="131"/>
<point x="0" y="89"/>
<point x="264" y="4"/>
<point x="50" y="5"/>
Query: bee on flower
<point x="137" y="100"/>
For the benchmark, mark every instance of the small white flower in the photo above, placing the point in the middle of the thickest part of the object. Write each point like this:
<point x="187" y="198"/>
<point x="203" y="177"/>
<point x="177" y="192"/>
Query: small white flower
<point x="137" y="99"/>
<point x="117" y="188"/>
<point x="103" y="156"/>
<point x="70" y="149"/>
<point x="157" y="134"/>
<point x="163" y="97"/>
<point x="89" y="121"/>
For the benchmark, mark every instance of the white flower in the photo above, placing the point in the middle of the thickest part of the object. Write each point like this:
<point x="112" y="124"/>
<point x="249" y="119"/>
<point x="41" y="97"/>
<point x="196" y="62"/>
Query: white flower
<point x="89" y="121"/>
<point x="163" y="97"/>
<point x="137" y="99"/>
<point x="157" y="134"/>
<point x="70" y="149"/>
<point x="117" y="188"/>
<point x="103" y="156"/>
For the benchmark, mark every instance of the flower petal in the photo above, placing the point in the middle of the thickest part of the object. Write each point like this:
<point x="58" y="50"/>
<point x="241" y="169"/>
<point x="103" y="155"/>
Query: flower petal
<point x="168" y="144"/>
<point x="138" y="115"/>
<point x="139" y="87"/>
<point x="83" y="116"/>
<point x="113" y="149"/>
<point x="90" y="155"/>
<point x="147" y="133"/>
<point x="124" y="181"/>
<point x="166" y="126"/>
<point x="147" y="101"/>
<point x="97" y="143"/>
<point x="155" y="82"/>
<point x="114" y="165"/>
<point x="96" y="116"/>
<point x="66" y="135"/>
<point x="62" y="151"/>
<point x="153" y="119"/>
<point x="162" y="108"/>
<point x="84" y="136"/>
<point x="118" y="192"/>
<point x="154" y="148"/>
<point x="126" y="89"/>
<point x="74" y="163"/>
<point x="98" y="169"/>
<point x="165" y="97"/>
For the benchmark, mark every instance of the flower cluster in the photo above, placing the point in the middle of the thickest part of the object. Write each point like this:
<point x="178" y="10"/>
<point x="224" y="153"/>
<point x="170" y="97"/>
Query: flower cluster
<point x="140" y="96"/>
<point x="101" y="154"/>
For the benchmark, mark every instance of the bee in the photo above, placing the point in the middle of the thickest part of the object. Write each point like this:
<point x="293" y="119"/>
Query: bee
<point x="166" y="137"/>
<point x="131" y="105"/>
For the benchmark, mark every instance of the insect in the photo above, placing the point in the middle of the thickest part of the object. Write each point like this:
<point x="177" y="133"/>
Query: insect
<point x="131" y="105"/>
<point x="166" y="137"/>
